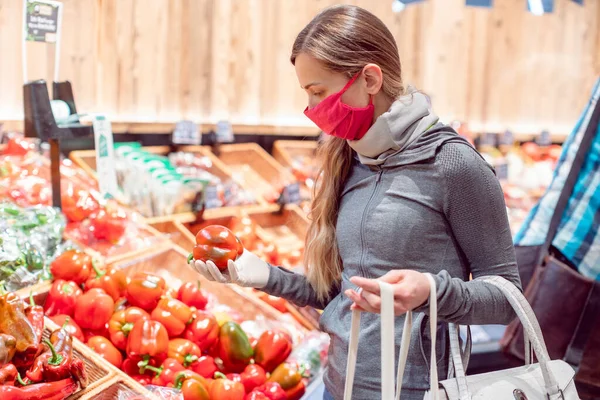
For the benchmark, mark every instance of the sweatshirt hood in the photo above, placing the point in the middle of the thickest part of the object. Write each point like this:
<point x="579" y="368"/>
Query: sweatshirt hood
<point x="409" y="132"/>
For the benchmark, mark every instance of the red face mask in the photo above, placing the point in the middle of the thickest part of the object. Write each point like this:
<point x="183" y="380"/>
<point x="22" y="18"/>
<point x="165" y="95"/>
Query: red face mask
<point x="338" y="119"/>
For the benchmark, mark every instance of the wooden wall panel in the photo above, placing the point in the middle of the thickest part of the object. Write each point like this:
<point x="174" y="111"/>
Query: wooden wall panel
<point x="166" y="60"/>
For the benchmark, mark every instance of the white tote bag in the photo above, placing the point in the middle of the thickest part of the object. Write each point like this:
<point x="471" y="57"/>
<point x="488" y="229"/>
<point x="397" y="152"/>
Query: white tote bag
<point x="546" y="380"/>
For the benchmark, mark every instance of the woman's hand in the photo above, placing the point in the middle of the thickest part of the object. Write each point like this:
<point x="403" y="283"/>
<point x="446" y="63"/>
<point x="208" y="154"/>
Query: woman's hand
<point x="247" y="271"/>
<point x="411" y="290"/>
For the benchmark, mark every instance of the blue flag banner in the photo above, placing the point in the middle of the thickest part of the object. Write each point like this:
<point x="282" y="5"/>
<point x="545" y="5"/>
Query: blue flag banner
<point x="410" y="1"/>
<point x="578" y="1"/>
<point x="479" y="3"/>
<point x="539" y="7"/>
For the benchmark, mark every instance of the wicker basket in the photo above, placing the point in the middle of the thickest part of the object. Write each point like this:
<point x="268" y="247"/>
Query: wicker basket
<point x="120" y="384"/>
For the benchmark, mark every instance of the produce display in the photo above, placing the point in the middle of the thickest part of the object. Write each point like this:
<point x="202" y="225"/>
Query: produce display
<point x="92" y="221"/>
<point x="32" y="367"/>
<point x="157" y="185"/>
<point x="179" y="339"/>
<point x="524" y="172"/>
<point x="29" y="239"/>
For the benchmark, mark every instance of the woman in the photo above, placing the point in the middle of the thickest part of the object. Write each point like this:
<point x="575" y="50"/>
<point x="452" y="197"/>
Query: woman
<point x="400" y="194"/>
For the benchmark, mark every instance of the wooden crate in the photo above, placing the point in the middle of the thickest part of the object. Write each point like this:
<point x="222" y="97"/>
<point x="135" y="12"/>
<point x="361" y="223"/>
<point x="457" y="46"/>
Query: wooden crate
<point x="86" y="159"/>
<point x="170" y="263"/>
<point x="251" y="164"/>
<point x="286" y="228"/>
<point x="286" y="152"/>
<point x="119" y="385"/>
<point x="98" y="370"/>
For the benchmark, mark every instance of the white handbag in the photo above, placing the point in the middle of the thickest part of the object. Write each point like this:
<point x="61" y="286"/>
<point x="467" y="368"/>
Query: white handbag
<point x="546" y="380"/>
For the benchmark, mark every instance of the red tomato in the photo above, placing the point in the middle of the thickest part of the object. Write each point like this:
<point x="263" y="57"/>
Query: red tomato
<point x="217" y="244"/>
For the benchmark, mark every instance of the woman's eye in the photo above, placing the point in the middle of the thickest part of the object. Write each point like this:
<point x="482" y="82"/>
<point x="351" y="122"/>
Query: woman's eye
<point x="318" y="94"/>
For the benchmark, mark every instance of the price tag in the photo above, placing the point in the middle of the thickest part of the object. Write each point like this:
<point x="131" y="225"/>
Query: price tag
<point x="544" y="139"/>
<point x="186" y="132"/>
<point x="211" y="197"/>
<point x="488" y="139"/>
<point x="105" y="156"/>
<point x="41" y="20"/>
<point x="502" y="171"/>
<point x="224" y="133"/>
<point x="291" y="194"/>
<point x="507" y="138"/>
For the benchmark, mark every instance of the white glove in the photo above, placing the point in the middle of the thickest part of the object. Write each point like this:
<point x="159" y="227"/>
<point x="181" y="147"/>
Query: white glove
<point x="247" y="271"/>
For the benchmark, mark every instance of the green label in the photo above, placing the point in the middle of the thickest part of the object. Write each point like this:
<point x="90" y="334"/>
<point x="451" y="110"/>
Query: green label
<point x="41" y="21"/>
<point x="103" y="146"/>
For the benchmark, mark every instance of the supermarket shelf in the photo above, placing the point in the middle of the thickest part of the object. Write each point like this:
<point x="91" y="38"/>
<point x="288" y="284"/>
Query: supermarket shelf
<point x="164" y="128"/>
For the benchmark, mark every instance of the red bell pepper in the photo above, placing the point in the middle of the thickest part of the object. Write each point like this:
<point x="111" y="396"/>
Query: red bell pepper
<point x="77" y="204"/>
<point x="193" y="386"/>
<point x="145" y="290"/>
<point x="253" y="376"/>
<point x="121" y="303"/>
<point x="90" y="333"/>
<point x="256" y="395"/>
<point x="184" y="351"/>
<point x="109" y="225"/>
<point x="8" y="374"/>
<point x="131" y="368"/>
<point x="203" y="330"/>
<point x="173" y="314"/>
<point x="35" y="315"/>
<point x="271" y="391"/>
<point x="106" y="350"/>
<point x="278" y="303"/>
<point x="272" y="348"/>
<point x="205" y="366"/>
<point x="192" y="294"/>
<point x="93" y="309"/>
<point x="72" y="265"/>
<point x="234" y="347"/>
<point x="62" y="297"/>
<point x="18" y="146"/>
<point x="42" y="391"/>
<point x="113" y="281"/>
<point x="121" y="324"/>
<point x="217" y="244"/>
<point x="166" y="373"/>
<point x="50" y="366"/>
<point x="148" y="340"/>
<point x="71" y="326"/>
<point x="224" y="389"/>
<point x="290" y="378"/>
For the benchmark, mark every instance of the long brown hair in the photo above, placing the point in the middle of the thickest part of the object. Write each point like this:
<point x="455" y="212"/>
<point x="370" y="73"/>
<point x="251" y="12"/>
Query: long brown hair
<point x="344" y="39"/>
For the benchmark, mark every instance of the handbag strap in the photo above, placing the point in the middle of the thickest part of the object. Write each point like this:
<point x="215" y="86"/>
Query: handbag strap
<point x="406" y="335"/>
<point x="567" y="190"/>
<point x="530" y="325"/>
<point x="387" y="345"/>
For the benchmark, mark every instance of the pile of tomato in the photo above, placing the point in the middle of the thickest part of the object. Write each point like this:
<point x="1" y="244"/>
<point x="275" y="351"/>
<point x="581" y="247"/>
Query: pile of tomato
<point x="166" y="337"/>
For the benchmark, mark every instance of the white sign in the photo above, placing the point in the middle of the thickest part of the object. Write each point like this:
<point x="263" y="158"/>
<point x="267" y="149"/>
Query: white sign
<point x="105" y="156"/>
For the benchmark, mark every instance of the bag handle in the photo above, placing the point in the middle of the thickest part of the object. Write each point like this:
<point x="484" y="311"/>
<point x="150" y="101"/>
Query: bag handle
<point x="530" y="325"/>
<point x="387" y="345"/>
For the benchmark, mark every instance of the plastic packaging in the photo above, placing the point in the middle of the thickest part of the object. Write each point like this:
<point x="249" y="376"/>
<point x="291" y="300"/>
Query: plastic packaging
<point x="30" y="238"/>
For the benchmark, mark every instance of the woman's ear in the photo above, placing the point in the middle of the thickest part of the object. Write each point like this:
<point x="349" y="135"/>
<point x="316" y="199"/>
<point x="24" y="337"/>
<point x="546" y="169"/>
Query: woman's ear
<point x="373" y="78"/>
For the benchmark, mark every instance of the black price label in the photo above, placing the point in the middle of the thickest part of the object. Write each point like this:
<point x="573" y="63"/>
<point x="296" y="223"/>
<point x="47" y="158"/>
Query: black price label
<point x="544" y="139"/>
<point x="507" y="138"/>
<point x="211" y="197"/>
<point x="41" y="21"/>
<point x="488" y="139"/>
<point x="291" y="194"/>
<point x="502" y="171"/>
<point x="186" y="132"/>
<point x="224" y="133"/>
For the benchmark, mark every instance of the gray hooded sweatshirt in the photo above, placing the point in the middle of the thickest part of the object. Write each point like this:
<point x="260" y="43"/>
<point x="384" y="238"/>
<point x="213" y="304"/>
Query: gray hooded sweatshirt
<point x="418" y="197"/>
